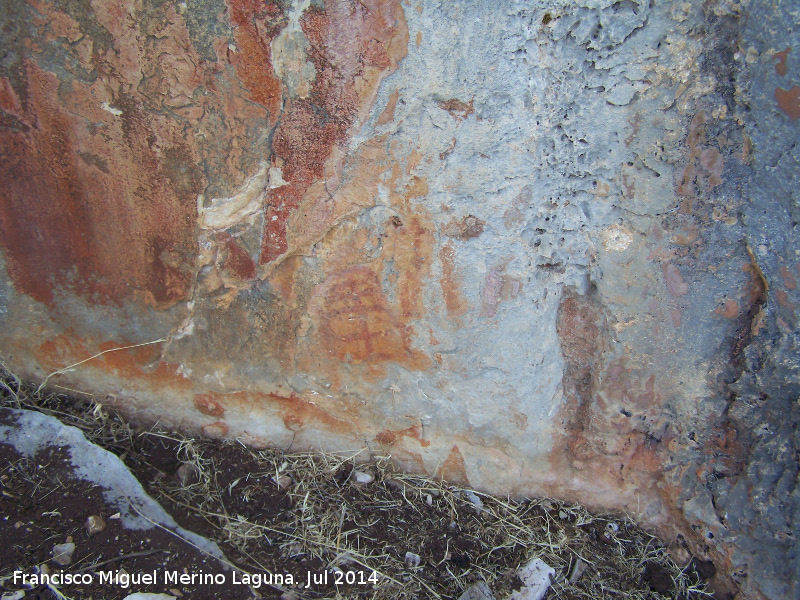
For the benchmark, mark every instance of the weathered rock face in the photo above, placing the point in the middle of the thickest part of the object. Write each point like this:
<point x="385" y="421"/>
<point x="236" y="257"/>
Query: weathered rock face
<point x="541" y="249"/>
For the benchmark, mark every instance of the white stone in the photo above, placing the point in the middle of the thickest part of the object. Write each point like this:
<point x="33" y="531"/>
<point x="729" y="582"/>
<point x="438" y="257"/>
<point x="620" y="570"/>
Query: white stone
<point x="62" y="553"/>
<point x="412" y="560"/>
<point x="362" y="477"/>
<point x="535" y="578"/>
<point x="479" y="591"/>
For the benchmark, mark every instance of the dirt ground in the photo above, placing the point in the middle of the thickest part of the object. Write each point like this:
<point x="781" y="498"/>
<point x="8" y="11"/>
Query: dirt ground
<point x="298" y="526"/>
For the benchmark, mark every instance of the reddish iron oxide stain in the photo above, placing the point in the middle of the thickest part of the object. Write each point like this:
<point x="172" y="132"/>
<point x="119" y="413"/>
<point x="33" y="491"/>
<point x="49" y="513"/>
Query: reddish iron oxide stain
<point x="238" y="262"/>
<point x="454" y="469"/>
<point x="208" y="405"/>
<point x="789" y="101"/>
<point x="103" y="236"/>
<point x="389" y="437"/>
<point x="311" y="127"/>
<point x="387" y="116"/>
<point x="453" y="299"/>
<point x="256" y="24"/>
<point x="729" y="310"/>
<point x="783" y="299"/>
<point x="359" y="326"/>
<point x="458" y="109"/>
<point x="788" y="279"/>
<point x="780" y="66"/>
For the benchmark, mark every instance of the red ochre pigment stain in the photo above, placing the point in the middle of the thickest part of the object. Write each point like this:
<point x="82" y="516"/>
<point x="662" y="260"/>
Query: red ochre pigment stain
<point x="359" y="326"/>
<point x="311" y="127"/>
<point x="256" y="24"/>
<point x="780" y="66"/>
<point x="67" y="225"/>
<point x="207" y="405"/>
<point x="789" y="101"/>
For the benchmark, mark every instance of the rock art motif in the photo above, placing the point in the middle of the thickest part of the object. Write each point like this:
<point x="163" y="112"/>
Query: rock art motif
<point x="531" y="248"/>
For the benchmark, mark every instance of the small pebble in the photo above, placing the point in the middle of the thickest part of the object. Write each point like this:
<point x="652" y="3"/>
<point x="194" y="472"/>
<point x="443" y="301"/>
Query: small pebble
<point x="363" y="478"/>
<point x="95" y="524"/>
<point x="395" y="484"/>
<point x="62" y="553"/>
<point x="577" y="571"/>
<point x="428" y="500"/>
<point x="412" y="560"/>
<point x="473" y="498"/>
<point x="479" y="591"/>
<point x="283" y="481"/>
<point x="187" y="474"/>
<point x="18" y="595"/>
<point x="536" y="578"/>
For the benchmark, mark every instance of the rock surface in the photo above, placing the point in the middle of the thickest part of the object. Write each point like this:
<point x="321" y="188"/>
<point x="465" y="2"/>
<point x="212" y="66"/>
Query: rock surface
<point x="539" y="249"/>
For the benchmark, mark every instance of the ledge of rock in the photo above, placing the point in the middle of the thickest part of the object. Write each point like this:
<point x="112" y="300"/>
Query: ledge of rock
<point x="540" y="249"/>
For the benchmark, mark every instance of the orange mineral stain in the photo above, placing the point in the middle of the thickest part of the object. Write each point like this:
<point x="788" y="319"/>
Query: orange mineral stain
<point x="454" y="468"/>
<point x="789" y="101"/>
<point x="780" y="66"/>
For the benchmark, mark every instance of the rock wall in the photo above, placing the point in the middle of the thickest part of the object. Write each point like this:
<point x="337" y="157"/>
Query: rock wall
<point x="533" y="248"/>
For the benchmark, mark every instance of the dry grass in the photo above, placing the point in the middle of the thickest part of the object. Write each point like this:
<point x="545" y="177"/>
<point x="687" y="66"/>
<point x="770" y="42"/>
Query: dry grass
<point x="321" y="515"/>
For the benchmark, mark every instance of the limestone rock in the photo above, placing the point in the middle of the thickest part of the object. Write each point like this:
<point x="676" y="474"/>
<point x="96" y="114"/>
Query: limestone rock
<point x="62" y="553"/>
<point x="479" y="591"/>
<point x="532" y="248"/>
<point x="535" y="576"/>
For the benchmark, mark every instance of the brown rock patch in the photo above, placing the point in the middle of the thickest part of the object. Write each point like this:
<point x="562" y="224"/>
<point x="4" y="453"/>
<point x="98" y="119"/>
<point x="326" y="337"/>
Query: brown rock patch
<point x="465" y="228"/>
<point x="454" y="469"/>
<point x="457" y="108"/>
<point x="789" y="101"/>
<point x="780" y="66"/>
